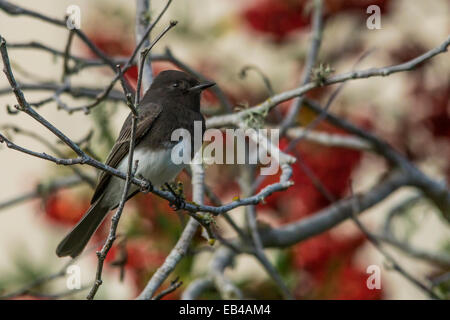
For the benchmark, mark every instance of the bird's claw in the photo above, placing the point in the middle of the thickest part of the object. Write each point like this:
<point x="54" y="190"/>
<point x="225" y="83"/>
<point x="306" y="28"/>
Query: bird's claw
<point x="179" y="202"/>
<point x="147" y="187"/>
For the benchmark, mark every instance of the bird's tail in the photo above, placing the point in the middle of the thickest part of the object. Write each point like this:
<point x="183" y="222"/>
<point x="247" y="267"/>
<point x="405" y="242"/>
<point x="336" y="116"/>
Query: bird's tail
<point x="74" y="243"/>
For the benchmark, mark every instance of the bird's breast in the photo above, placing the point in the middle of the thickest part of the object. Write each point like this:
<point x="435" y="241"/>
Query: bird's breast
<point x="155" y="165"/>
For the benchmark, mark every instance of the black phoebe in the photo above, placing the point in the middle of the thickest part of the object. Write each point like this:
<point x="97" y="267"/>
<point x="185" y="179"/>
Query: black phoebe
<point x="172" y="102"/>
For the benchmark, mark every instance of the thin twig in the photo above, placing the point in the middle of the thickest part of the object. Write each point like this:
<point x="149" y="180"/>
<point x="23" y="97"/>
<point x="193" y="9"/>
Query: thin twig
<point x="41" y="280"/>
<point x="221" y="260"/>
<point x="43" y="189"/>
<point x="174" y="285"/>
<point x="127" y="66"/>
<point x="439" y="259"/>
<point x="66" y="70"/>
<point x="266" y="80"/>
<point x="309" y="65"/>
<point x="247" y="177"/>
<point x="145" y="52"/>
<point x="142" y="21"/>
<point x="88" y="179"/>
<point x="374" y="240"/>
<point x="268" y="104"/>
<point x="322" y="115"/>
<point x="330" y="139"/>
<point x="196" y="288"/>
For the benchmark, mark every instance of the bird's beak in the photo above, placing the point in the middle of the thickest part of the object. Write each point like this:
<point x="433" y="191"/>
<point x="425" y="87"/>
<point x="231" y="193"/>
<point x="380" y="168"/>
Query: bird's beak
<point x="202" y="86"/>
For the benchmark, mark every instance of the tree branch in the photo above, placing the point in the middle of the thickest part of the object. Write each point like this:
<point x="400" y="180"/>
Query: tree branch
<point x="268" y="104"/>
<point x="374" y="240"/>
<point x="309" y="65"/>
<point x="142" y="22"/>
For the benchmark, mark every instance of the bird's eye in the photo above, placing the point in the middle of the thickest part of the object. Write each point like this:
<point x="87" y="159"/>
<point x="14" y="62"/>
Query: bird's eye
<point x="175" y="85"/>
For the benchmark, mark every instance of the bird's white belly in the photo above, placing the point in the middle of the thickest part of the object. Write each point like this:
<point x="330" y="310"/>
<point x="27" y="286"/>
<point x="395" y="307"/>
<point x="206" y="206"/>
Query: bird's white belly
<point x="155" y="166"/>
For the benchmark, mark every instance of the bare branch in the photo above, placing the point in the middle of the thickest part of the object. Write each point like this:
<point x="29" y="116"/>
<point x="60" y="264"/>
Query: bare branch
<point x="27" y="289"/>
<point x="440" y="259"/>
<point x="174" y="285"/>
<point x="266" y="81"/>
<point x="129" y="63"/>
<point x="145" y="52"/>
<point x="196" y="288"/>
<point x="330" y="140"/>
<point x="66" y="70"/>
<point x="267" y="105"/>
<point x="436" y="191"/>
<point x="80" y="62"/>
<point x="220" y="261"/>
<point x="322" y="115"/>
<point x="16" y="10"/>
<point x="374" y="240"/>
<point x="247" y="178"/>
<point x="331" y="216"/>
<point x="43" y="189"/>
<point x="309" y="65"/>
<point x="142" y="22"/>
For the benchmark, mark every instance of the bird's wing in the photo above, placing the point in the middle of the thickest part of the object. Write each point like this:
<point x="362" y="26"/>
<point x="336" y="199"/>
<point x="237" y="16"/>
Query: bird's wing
<point x="148" y="113"/>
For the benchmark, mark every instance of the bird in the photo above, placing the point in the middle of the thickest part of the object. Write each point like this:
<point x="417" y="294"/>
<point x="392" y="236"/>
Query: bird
<point x="172" y="102"/>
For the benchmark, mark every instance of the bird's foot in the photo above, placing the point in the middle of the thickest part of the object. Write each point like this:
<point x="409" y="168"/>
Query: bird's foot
<point x="177" y="192"/>
<point x="147" y="186"/>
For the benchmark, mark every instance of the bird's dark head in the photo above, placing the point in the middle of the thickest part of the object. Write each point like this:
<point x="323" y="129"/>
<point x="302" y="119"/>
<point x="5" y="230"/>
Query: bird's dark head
<point x="179" y="86"/>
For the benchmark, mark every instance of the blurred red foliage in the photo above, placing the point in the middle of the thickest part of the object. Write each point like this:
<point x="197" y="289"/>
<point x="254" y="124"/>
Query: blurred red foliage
<point x="438" y="120"/>
<point x="436" y="103"/>
<point x="343" y="281"/>
<point x="313" y="253"/>
<point x="278" y="18"/>
<point x="138" y="256"/>
<point x="65" y="208"/>
<point x="328" y="260"/>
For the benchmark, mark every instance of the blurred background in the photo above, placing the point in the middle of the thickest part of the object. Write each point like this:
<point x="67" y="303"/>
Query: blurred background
<point x="219" y="38"/>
